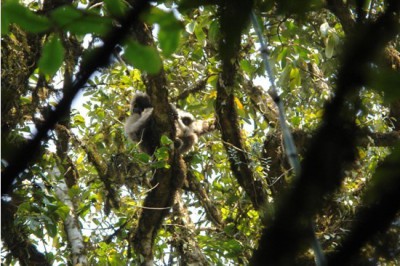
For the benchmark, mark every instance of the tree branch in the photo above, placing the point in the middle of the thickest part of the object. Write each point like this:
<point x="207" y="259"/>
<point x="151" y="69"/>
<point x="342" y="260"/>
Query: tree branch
<point x="99" y="57"/>
<point x="234" y="15"/>
<point x="166" y="181"/>
<point x="379" y="207"/>
<point x="185" y="236"/>
<point x="212" y="212"/>
<point x="16" y="239"/>
<point x="227" y="121"/>
<point x="332" y="149"/>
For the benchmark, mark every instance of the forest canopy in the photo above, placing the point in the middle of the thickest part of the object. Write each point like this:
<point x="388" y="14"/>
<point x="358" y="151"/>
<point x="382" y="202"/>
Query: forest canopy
<point x="300" y="164"/>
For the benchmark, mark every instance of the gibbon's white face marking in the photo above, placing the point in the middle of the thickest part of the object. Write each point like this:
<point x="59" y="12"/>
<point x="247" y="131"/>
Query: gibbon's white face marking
<point x="138" y="127"/>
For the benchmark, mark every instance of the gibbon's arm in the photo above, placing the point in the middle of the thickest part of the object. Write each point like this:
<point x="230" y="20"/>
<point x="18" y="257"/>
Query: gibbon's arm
<point x="141" y="111"/>
<point x="136" y="124"/>
<point x="201" y="127"/>
<point x="188" y="130"/>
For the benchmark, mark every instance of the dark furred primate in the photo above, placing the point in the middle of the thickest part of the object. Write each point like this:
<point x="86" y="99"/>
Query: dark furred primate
<point x="139" y="127"/>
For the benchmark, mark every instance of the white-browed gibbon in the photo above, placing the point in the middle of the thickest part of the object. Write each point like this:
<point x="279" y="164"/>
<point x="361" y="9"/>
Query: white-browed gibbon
<point x="140" y="124"/>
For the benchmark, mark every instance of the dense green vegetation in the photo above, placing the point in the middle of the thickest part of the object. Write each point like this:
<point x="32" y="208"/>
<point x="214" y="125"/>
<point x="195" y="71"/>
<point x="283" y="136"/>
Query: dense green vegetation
<point x="76" y="191"/>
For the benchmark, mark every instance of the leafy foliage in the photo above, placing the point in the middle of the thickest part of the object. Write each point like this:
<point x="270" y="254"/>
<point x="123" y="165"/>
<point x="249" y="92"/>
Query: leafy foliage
<point x="108" y="178"/>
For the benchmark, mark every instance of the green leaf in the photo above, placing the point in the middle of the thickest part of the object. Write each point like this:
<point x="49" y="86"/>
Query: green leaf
<point x="247" y="67"/>
<point x="281" y="58"/>
<point x="13" y="12"/>
<point x="295" y="78"/>
<point x="52" y="56"/>
<point x="143" y="57"/>
<point x="5" y="22"/>
<point x="165" y="141"/>
<point x="169" y="40"/>
<point x="51" y="229"/>
<point x="212" y="80"/>
<point x="170" y="29"/>
<point x="330" y="46"/>
<point x="190" y="27"/>
<point x="143" y="157"/>
<point x="116" y="8"/>
<point x="65" y="15"/>
<point x="389" y="83"/>
<point x="79" y="120"/>
<point x="298" y="7"/>
<point x="187" y="4"/>
<point x="198" y="31"/>
<point x="80" y="22"/>
<point x="214" y="32"/>
<point x="63" y="211"/>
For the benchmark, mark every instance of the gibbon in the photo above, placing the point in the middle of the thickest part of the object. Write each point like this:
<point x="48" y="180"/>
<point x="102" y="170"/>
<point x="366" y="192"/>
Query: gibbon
<point x="139" y="127"/>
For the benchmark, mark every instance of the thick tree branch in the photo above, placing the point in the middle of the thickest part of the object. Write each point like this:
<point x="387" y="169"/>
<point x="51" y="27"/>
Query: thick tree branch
<point x="166" y="182"/>
<point x="376" y="139"/>
<point x="227" y="121"/>
<point x="112" y="198"/>
<point x="184" y="238"/>
<point x="379" y="207"/>
<point x="272" y="150"/>
<point x="72" y="226"/>
<point x="234" y="15"/>
<point x="332" y="149"/>
<point x="197" y="87"/>
<point x="19" y="55"/>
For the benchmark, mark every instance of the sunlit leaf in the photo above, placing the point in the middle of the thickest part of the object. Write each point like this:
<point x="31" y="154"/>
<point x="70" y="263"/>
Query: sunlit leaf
<point x="199" y="32"/>
<point x="295" y="78"/>
<point x="247" y="67"/>
<point x="330" y="46"/>
<point x="79" y="120"/>
<point x="165" y="140"/>
<point x="282" y="56"/>
<point x="239" y="105"/>
<point x="190" y="27"/>
<point x="212" y="80"/>
<point x="324" y="28"/>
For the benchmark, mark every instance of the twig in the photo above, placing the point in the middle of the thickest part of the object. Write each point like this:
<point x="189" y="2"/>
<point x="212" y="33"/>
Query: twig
<point x="99" y="58"/>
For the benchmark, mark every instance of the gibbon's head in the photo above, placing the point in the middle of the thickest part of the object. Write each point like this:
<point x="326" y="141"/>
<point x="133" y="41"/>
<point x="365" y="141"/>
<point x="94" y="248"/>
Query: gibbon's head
<point x="140" y="102"/>
<point x="187" y="118"/>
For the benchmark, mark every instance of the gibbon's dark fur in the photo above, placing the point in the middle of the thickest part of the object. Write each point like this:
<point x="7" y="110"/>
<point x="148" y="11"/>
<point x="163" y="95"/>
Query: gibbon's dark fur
<point x="138" y="127"/>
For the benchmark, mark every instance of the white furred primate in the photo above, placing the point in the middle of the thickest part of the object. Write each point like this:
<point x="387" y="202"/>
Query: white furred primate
<point x="139" y="127"/>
